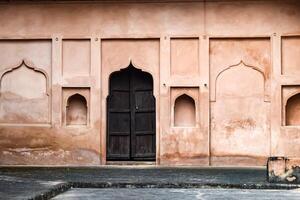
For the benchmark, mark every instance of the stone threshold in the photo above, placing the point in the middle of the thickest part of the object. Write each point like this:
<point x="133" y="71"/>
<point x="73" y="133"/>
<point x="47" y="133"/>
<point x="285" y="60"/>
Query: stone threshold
<point x="121" y="163"/>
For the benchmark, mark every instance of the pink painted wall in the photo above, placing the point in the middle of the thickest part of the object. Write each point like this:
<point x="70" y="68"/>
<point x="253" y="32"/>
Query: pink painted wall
<point x="237" y="61"/>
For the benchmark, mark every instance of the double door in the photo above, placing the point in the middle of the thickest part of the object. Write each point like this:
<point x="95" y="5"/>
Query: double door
<point x="131" y="116"/>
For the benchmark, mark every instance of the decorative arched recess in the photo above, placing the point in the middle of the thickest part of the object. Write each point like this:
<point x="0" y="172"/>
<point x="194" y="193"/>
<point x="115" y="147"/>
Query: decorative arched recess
<point x="184" y="111"/>
<point x="240" y="113"/>
<point x="240" y="64"/>
<point x="76" y="110"/>
<point x="24" y="94"/>
<point x="292" y="110"/>
<point x="131" y="115"/>
<point x="30" y="66"/>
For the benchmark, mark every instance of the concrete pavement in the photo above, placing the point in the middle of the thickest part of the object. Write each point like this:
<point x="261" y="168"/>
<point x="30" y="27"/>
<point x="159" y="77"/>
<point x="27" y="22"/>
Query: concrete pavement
<point x="176" y="194"/>
<point x="47" y="182"/>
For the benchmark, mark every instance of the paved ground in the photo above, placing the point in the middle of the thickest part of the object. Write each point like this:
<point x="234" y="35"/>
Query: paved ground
<point x="177" y="194"/>
<point x="142" y="174"/>
<point x="43" y="183"/>
<point x="12" y="187"/>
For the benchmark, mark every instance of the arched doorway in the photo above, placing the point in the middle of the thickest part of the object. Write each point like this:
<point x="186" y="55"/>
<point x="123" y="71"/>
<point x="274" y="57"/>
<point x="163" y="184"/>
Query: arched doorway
<point x="130" y="116"/>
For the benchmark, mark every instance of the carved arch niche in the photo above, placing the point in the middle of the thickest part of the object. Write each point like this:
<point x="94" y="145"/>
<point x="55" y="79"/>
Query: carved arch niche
<point x="239" y="112"/>
<point x="184" y="111"/>
<point x="184" y="107"/>
<point x="24" y="94"/>
<point x="291" y="105"/>
<point x="237" y="79"/>
<point x="229" y="54"/>
<point x="76" y="106"/>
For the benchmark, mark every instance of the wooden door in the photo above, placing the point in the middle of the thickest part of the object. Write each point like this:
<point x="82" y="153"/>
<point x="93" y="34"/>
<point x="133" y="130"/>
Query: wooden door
<point x="131" y="116"/>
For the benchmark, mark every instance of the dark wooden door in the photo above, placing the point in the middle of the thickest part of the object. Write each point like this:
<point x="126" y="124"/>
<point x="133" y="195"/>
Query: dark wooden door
<point x="131" y="116"/>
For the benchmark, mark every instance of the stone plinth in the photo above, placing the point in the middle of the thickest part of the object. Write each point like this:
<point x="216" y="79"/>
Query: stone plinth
<point x="283" y="170"/>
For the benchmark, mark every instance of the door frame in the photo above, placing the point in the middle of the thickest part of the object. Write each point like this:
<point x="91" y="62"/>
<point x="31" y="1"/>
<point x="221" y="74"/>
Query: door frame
<point x="132" y="74"/>
<point x="106" y="71"/>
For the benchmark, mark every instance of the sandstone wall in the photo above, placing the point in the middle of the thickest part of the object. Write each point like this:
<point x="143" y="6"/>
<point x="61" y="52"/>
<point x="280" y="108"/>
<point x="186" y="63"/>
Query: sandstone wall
<point x="226" y="79"/>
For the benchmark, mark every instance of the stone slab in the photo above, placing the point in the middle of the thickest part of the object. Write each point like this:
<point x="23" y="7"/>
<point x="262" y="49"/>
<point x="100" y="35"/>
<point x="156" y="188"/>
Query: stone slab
<point x="176" y="194"/>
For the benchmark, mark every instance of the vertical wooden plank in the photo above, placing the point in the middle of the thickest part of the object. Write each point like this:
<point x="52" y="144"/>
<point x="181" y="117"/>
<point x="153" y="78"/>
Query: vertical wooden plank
<point x="204" y="91"/>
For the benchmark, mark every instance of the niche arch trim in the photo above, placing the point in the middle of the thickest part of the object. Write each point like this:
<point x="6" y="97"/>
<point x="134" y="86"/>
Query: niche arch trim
<point x="290" y="96"/>
<point x="83" y="103"/>
<point x="78" y="95"/>
<point x="240" y="64"/>
<point x="67" y="94"/>
<point x="292" y="101"/>
<point x="184" y="102"/>
<point x="30" y="66"/>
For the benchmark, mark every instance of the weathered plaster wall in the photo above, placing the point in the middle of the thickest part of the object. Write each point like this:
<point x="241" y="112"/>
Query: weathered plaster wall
<point x="143" y="54"/>
<point x="238" y="62"/>
<point x="240" y="99"/>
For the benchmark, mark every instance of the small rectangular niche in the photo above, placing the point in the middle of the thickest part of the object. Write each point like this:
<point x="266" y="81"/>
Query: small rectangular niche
<point x="184" y="107"/>
<point x="76" y="106"/>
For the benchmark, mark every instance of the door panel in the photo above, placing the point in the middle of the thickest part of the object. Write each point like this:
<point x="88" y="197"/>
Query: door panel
<point x="120" y="100"/>
<point x="131" y="116"/>
<point x="144" y="122"/>
<point x="143" y="132"/>
<point x="118" y="148"/>
<point x="118" y="117"/>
